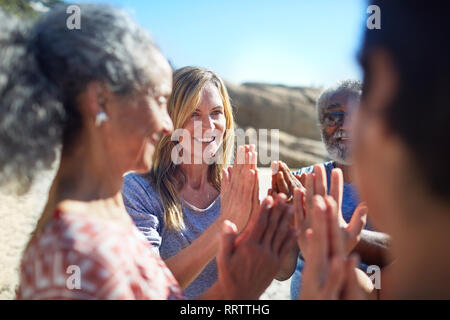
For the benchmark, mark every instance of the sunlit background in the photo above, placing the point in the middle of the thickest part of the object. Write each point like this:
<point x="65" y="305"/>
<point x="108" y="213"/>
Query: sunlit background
<point x="293" y="42"/>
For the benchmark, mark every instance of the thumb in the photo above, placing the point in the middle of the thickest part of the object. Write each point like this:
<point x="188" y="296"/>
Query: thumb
<point x="229" y="234"/>
<point x="358" y="220"/>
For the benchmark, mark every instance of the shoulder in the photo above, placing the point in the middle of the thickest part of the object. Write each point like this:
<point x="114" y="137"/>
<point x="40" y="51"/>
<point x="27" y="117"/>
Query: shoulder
<point x="134" y="182"/>
<point x="328" y="167"/>
<point x="106" y="257"/>
<point x="138" y="192"/>
<point x="304" y="170"/>
<point x="72" y="258"/>
<point x="85" y="235"/>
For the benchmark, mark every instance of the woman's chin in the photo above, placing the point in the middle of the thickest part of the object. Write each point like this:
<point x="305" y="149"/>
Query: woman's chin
<point x="144" y="164"/>
<point x="207" y="158"/>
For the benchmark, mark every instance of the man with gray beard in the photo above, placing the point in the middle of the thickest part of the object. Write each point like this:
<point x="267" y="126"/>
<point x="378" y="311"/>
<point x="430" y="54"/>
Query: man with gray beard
<point x="334" y="109"/>
<point x="334" y="112"/>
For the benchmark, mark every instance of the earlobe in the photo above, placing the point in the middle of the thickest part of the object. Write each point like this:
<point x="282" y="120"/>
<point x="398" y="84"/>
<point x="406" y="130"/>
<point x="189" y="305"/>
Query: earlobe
<point x="100" y="118"/>
<point x="93" y="102"/>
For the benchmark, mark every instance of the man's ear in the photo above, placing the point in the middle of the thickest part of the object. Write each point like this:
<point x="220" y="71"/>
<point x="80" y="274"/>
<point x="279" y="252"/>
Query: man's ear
<point x="383" y="82"/>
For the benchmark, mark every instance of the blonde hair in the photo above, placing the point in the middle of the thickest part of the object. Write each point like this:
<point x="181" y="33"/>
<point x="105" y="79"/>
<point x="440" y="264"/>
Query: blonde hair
<point x="188" y="83"/>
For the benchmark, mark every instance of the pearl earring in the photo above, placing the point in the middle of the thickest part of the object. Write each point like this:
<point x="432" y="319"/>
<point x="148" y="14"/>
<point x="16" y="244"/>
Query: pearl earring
<point x="100" y="118"/>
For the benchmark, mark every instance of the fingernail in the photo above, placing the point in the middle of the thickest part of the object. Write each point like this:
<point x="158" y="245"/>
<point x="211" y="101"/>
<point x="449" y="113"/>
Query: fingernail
<point x="228" y="226"/>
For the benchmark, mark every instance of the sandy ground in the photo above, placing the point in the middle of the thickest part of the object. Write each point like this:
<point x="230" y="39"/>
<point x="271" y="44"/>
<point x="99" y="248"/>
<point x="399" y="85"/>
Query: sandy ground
<point x="18" y="216"/>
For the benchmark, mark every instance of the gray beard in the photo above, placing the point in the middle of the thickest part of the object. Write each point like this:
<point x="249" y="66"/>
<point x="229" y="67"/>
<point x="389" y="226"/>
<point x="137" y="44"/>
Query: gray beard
<point x="338" y="152"/>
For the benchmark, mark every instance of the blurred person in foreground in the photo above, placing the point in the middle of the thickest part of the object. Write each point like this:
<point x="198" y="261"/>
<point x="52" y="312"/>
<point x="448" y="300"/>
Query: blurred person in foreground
<point x="101" y="93"/>
<point x="400" y="138"/>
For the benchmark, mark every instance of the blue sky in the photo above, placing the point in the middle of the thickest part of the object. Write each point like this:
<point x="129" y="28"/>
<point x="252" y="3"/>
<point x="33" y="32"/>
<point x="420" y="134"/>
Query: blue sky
<point x="296" y="42"/>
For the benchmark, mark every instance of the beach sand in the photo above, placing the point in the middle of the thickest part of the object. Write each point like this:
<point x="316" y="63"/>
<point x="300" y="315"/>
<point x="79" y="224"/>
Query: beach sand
<point x="19" y="214"/>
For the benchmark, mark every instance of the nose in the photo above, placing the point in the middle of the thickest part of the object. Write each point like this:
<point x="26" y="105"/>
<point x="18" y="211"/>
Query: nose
<point x="167" y="124"/>
<point x="208" y="124"/>
<point x="346" y="126"/>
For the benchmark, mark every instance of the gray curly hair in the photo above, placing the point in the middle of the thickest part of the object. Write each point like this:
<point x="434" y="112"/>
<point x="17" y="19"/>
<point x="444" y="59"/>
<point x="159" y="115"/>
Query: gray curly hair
<point x="43" y="67"/>
<point x="354" y="87"/>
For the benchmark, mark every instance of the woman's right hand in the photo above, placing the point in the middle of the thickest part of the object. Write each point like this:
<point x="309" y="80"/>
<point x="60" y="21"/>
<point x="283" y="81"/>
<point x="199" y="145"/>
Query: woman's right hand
<point x="238" y="188"/>
<point x="247" y="263"/>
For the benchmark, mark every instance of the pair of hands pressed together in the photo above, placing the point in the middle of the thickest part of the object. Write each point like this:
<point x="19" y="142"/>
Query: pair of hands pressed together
<point x="257" y="237"/>
<point x="239" y="194"/>
<point x="323" y="236"/>
<point x="307" y="186"/>
<point x="328" y="273"/>
<point x="248" y="262"/>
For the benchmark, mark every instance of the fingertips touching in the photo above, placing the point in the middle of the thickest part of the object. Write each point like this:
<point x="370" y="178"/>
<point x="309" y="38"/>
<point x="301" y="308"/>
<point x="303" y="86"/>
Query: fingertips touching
<point x="229" y="227"/>
<point x="267" y="202"/>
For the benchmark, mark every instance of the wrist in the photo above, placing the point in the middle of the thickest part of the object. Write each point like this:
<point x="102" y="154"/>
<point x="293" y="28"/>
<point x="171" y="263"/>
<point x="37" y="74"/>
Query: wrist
<point x="227" y="289"/>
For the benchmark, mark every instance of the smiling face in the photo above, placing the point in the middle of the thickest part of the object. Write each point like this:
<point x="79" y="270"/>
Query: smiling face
<point x="205" y="128"/>
<point x="335" y="125"/>
<point x="136" y="123"/>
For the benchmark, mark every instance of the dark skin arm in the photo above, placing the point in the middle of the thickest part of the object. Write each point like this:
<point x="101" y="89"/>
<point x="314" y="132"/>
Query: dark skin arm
<point x="373" y="248"/>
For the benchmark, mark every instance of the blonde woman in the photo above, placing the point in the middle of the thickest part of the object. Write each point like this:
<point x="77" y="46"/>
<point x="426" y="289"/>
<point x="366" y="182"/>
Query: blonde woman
<point x="179" y="205"/>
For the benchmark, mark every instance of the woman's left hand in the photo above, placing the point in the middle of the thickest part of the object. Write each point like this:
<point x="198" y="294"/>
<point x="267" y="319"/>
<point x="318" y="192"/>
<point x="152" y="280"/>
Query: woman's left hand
<point x="247" y="263"/>
<point x="239" y="184"/>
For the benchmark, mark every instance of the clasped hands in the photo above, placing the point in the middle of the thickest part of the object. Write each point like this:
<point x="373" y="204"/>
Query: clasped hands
<point x="257" y="237"/>
<point x="323" y="236"/>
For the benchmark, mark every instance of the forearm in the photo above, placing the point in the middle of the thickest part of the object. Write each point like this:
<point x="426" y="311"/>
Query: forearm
<point x="373" y="248"/>
<point x="288" y="265"/>
<point x="215" y="292"/>
<point x="188" y="263"/>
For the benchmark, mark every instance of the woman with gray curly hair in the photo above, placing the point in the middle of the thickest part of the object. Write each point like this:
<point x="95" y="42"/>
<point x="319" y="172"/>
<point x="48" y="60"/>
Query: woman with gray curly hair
<point x="102" y="92"/>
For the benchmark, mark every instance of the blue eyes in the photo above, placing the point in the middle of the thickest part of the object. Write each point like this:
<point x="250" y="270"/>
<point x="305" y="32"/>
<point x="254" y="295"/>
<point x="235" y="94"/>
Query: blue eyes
<point x="217" y="112"/>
